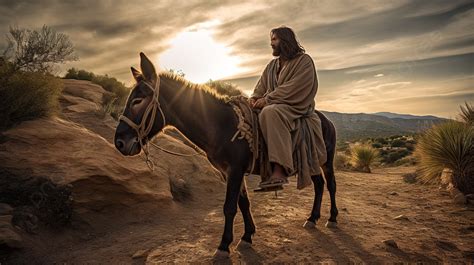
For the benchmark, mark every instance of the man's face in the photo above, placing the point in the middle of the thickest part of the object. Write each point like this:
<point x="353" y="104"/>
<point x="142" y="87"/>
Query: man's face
<point x="275" y="43"/>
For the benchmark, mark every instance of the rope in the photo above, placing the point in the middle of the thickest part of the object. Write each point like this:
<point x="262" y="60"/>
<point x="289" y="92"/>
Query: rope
<point x="246" y="128"/>
<point x="143" y="130"/>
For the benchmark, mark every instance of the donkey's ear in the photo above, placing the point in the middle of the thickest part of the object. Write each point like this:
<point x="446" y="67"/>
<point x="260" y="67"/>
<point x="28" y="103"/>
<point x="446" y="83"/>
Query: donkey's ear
<point x="136" y="74"/>
<point x="147" y="67"/>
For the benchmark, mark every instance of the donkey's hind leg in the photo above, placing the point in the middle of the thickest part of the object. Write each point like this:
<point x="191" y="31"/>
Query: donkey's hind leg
<point x="318" y="182"/>
<point x="234" y="183"/>
<point x="331" y="184"/>
<point x="244" y="206"/>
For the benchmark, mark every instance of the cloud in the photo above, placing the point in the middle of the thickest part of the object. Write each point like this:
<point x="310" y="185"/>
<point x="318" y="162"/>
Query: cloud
<point x="397" y="47"/>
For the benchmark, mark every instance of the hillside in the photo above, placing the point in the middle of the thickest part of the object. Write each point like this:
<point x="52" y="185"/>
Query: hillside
<point x="361" y="125"/>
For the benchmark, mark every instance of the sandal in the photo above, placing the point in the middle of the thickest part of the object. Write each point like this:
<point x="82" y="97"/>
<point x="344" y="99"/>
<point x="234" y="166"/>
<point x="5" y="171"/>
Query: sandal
<point x="276" y="188"/>
<point x="273" y="183"/>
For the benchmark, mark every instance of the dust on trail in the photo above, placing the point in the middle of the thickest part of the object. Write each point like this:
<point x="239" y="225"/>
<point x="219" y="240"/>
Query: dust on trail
<point x="434" y="230"/>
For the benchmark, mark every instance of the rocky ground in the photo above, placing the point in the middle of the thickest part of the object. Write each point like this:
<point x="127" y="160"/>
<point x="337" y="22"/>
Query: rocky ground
<point x="67" y="196"/>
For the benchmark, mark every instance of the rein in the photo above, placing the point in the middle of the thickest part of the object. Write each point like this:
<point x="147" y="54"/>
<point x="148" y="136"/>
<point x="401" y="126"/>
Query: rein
<point x="143" y="129"/>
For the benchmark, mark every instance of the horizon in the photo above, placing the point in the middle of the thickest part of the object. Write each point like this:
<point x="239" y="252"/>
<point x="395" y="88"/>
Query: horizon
<point x="400" y="57"/>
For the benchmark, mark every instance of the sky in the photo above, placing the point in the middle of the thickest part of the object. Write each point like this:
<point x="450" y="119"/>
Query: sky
<point x="400" y="56"/>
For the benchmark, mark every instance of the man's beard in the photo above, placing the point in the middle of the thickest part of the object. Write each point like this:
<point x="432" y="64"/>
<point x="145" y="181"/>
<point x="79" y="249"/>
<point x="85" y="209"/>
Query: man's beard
<point x="276" y="50"/>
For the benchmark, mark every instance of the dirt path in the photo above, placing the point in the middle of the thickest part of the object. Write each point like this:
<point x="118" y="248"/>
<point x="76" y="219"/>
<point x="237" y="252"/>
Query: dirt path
<point x="434" y="231"/>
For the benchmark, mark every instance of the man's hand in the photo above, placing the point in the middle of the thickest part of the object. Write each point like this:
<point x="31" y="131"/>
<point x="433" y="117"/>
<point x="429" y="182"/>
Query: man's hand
<point x="252" y="101"/>
<point x="259" y="103"/>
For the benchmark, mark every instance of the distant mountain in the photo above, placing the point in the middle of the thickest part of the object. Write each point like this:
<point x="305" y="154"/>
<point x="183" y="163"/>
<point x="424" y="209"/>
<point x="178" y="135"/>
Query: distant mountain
<point x="361" y="125"/>
<point x="405" y="116"/>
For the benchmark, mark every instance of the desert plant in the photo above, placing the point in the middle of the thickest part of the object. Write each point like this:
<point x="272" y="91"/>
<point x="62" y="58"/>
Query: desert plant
<point x="448" y="145"/>
<point x="363" y="157"/>
<point x="467" y="113"/>
<point x="341" y="161"/>
<point x="37" y="50"/>
<point x="26" y="95"/>
<point x="224" y="88"/>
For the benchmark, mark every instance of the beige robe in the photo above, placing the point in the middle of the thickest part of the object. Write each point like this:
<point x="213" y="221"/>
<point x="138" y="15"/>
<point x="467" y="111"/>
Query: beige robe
<point x="290" y="127"/>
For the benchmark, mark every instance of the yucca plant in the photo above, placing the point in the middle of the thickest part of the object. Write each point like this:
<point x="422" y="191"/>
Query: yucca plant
<point x="467" y="114"/>
<point x="448" y="145"/>
<point x="363" y="157"/>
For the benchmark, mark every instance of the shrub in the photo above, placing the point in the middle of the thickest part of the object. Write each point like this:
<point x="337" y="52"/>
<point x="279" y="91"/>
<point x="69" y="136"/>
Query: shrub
<point x="448" y="145"/>
<point x="363" y="157"/>
<point x="398" y="143"/>
<point x="341" y="161"/>
<point x="111" y="104"/>
<point x="377" y="145"/>
<point x="224" y="88"/>
<point x="26" y="95"/>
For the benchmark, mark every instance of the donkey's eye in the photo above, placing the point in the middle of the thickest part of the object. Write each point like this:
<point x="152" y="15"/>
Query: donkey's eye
<point x="136" y="101"/>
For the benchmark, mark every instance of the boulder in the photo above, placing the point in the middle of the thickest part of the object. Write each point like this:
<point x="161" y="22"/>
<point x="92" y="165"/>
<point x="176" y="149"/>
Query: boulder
<point x="8" y="236"/>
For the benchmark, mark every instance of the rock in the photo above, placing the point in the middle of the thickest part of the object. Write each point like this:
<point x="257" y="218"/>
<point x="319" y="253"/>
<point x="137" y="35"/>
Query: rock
<point x="84" y="89"/>
<point x="393" y="193"/>
<point x="470" y="198"/>
<point x="458" y="196"/>
<point x="401" y="217"/>
<point x="142" y="253"/>
<point x="384" y="205"/>
<point x="68" y="154"/>
<point x="459" y="199"/>
<point x="410" y="178"/>
<point x="390" y="243"/>
<point x="8" y="236"/>
<point x="5" y="209"/>
<point x="446" y="177"/>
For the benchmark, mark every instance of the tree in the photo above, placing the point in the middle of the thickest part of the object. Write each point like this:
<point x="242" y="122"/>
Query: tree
<point x="37" y="50"/>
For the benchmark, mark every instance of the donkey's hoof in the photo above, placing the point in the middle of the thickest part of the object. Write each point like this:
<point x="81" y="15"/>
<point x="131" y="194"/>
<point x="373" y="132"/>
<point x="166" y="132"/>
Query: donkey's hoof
<point x="309" y="225"/>
<point x="221" y="254"/>
<point x="243" y="245"/>
<point x="330" y="224"/>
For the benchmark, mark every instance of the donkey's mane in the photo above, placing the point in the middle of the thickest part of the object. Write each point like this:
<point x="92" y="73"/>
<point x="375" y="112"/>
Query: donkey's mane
<point x="192" y="86"/>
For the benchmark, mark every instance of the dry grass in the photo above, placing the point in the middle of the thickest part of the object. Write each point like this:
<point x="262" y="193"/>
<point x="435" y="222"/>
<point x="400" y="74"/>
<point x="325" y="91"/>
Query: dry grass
<point x="363" y="157"/>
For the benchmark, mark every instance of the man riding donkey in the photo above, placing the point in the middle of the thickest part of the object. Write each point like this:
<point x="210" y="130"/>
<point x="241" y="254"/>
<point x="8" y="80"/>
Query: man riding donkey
<point x="291" y="129"/>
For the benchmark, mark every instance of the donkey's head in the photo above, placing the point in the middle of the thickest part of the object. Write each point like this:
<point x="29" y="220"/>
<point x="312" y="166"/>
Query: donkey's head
<point x="142" y="117"/>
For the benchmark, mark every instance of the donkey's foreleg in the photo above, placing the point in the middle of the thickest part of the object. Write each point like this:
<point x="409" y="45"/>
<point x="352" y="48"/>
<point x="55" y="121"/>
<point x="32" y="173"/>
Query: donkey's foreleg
<point x="230" y="209"/>
<point x="244" y="206"/>
<point x="318" y="182"/>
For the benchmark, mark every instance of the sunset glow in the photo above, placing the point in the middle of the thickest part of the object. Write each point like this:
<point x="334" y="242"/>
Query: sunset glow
<point x="199" y="56"/>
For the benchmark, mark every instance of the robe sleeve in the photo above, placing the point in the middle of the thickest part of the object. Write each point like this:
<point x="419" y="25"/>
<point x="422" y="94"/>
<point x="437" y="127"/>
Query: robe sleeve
<point x="259" y="90"/>
<point x="299" y="87"/>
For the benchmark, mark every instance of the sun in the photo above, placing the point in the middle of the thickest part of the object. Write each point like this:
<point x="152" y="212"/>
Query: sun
<point x="199" y="56"/>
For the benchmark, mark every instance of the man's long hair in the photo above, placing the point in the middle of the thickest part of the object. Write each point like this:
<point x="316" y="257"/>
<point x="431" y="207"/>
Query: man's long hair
<point x="289" y="46"/>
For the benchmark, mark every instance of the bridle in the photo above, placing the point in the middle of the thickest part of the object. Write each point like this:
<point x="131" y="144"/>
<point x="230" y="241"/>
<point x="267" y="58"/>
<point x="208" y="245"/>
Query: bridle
<point x="143" y="129"/>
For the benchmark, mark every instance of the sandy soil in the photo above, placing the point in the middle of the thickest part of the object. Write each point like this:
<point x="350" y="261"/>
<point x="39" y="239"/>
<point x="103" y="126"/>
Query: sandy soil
<point x="435" y="230"/>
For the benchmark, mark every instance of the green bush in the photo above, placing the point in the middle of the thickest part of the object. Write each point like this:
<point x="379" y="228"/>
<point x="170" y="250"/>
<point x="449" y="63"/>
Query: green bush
<point x="26" y="95"/>
<point x="111" y="104"/>
<point x="363" y="157"/>
<point x="224" y="88"/>
<point x="448" y="145"/>
<point x="377" y="145"/>
<point x="398" y="143"/>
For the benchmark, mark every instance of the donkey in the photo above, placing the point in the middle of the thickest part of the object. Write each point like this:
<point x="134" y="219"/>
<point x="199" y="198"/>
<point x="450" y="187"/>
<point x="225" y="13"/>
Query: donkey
<point x="208" y="120"/>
